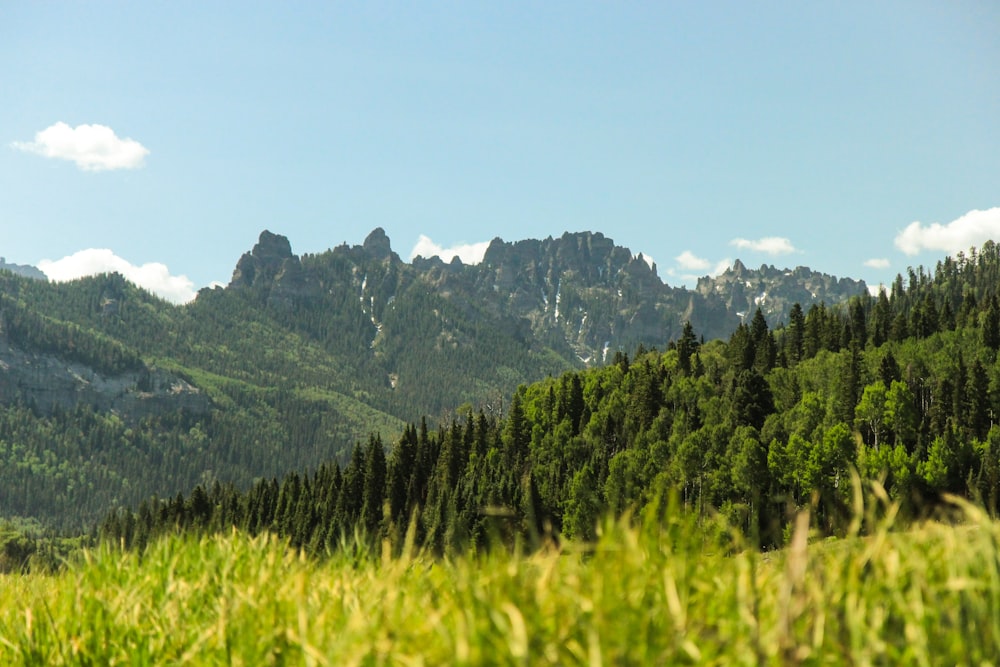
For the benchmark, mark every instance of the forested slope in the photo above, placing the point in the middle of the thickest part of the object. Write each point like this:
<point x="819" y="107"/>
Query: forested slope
<point x="109" y="395"/>
<point x="904" y="387"/>
<point x="260" y="400"/>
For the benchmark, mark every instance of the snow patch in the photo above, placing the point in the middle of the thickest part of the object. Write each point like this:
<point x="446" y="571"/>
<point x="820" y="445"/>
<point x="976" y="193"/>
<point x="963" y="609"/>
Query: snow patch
<point x="558" y="297"/>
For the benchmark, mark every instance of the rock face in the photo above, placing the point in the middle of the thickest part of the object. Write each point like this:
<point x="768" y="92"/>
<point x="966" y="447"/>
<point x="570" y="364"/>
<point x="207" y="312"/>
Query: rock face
<point x="263" y="263"/>
<point x="25" y="270"/>
<point x="578" y="294"/>
<point x="48" y="382"/>
<point x="775" y="291"/>
<point x="271" y="267"/>
<point x="377" y="245"/>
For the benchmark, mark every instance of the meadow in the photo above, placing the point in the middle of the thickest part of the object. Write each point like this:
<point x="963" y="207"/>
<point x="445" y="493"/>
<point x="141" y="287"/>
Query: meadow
<point x="646" y="593"/>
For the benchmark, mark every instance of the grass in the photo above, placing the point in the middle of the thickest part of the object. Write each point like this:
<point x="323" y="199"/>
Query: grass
<point x="674" y="595"/>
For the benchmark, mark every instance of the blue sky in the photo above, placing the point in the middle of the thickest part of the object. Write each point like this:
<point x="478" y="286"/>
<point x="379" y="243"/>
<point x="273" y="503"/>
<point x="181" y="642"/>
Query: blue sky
<point x="159" y="138"/>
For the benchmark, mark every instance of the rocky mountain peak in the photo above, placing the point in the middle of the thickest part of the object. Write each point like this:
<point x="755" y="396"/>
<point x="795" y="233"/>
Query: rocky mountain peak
<point x="579" y="293"/>
<point x="377" y="244"/>
<point x="494" y="252"/>
<point x="25" y="270"/>
<point x="272" y="246"/>
<point x="775" y="290"/>
<point x="264" y="262"/>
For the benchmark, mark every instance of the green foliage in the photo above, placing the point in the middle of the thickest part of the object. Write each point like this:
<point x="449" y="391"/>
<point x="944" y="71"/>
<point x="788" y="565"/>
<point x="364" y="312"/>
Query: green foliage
<point x="35" y="332"/>
<point x="755" y="426"/>
<point x="664" y="591"/>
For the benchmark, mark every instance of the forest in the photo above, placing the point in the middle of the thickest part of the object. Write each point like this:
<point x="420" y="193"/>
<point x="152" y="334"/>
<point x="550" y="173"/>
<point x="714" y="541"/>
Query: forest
<point x="903" y="388"/>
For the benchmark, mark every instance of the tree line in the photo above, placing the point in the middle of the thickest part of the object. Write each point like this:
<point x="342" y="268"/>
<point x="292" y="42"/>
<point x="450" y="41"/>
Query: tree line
<point x="904" y="387"/>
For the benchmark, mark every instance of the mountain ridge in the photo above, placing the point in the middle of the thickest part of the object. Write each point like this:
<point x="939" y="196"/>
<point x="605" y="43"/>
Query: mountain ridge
<point x="579" y="291"/>
<point x="26" y="270"/>
<point x="300" y="357"/>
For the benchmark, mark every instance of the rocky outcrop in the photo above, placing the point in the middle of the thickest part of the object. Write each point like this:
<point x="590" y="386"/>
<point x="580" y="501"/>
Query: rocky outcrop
<point x="271" y="269"/>
<point x="775" y="291"/>
<point x="47" y="382"/>
<point x="378" y="247"/>
<point x="263" y="262"/>
<point x="579" y="294"/>
<point x="25" y="270"/>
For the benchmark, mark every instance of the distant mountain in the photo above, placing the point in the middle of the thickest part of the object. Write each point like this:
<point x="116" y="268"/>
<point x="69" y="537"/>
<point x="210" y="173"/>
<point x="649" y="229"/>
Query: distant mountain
<point x="775" y="291"/>
<point x="25" y="270"/>
<point x="112" y="394"/>
<point x="580" y="295"/>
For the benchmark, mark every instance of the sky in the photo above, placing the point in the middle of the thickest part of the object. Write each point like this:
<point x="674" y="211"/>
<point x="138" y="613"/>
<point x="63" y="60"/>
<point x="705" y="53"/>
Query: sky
<point x="158" y="139"/>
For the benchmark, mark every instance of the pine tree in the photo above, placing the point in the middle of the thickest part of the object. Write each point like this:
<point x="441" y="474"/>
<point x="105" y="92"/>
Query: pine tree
<point x="351" y="490"/>
<point x="977" y="400"/>
<point x="846" y="397"/>
<point x="400" y="469"/>
<point x="794" y="339"/>
<point x="859" y="327"/>
<point x="517" y="436"/>
<point x="991" y="325"/>
<point x="687" y="344"/>
<point x="373" y="493"/>
<point x="881" y="320"/>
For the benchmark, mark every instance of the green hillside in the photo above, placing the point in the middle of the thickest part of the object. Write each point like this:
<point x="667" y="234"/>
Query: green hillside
<point x="112" y="396"/>
<point x="755" y="428"/>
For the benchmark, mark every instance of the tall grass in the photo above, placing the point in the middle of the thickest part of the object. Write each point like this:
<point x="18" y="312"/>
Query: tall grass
<point x="670" y="595"/>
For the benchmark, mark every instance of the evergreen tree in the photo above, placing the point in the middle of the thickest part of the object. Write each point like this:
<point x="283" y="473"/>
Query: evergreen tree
<point x="752" y="400"/>
<point x="991" y="325"/>
<point x="881" y="320"/>
<point x="858" y="323"/>
<point x="400" y="469"/>
<point x="687" y="344"/>
<point x="373" y="493"/>
<point x="846" y="395"/>
<point x="977" y="399"/>
<point x="795" y="335"/>
<point x="517" y="435"/>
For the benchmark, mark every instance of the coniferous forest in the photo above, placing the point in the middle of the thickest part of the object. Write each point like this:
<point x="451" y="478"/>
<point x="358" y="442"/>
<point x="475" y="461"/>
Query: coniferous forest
<point x="285" y="431"/>
<point x="903" y="388"/>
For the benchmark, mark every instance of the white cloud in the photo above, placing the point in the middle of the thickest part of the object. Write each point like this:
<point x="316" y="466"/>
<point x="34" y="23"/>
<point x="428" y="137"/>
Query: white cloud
<point x="877" y="263"/>
<point x="469" y="253"/>
<point x="721" y="266"/>
<point x="688" y="261"/>
<point x="153" y="276"/>
<point x="972" y="229"/>
<point x="91" y="147"/>
<point x="772" y="245"/>
<point x="874" y="290"/>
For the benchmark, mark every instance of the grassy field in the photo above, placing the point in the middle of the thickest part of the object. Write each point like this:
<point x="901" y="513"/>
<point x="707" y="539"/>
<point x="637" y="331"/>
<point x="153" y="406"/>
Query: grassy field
<point x="929" y="595"/>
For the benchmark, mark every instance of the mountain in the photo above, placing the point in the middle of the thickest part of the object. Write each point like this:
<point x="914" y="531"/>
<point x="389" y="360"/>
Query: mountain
<point x="901" y="388"/>
<point x="775" y="291"/>
<point x="580" y="295"/>
<point x="25" y="270"/>
<point x="109" y="394"/>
